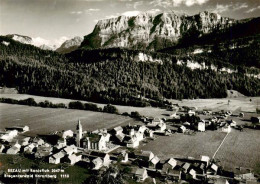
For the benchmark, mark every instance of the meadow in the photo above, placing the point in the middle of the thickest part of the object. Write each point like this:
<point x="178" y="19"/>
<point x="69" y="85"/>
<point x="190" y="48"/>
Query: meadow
<point x="241" y="103"/>
<point x="240" y="149"/>
<point x="46" y="120"/>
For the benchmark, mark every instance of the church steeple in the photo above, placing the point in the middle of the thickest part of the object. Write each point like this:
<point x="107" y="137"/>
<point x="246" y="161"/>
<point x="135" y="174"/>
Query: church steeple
<point x="79" y="133"/>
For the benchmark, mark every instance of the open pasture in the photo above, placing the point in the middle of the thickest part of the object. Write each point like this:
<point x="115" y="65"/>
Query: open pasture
<point x="46" y="120"/>
<point x="241" y="103"/>
<point x="240" y="149"/>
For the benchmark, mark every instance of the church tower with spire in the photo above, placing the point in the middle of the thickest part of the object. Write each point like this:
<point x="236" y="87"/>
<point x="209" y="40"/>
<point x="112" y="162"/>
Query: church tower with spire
<point x="79" y="133"/>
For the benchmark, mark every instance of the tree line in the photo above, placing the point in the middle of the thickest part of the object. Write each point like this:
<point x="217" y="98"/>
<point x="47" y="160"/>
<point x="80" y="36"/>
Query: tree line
<point x="111" y="76"/>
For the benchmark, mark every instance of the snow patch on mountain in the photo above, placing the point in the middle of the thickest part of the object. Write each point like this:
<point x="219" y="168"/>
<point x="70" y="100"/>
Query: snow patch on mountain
<point x="39" y="42"/>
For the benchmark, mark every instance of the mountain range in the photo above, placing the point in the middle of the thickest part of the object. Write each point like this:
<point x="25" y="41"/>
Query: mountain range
<point x="141" y="60"/>
<point x="153" y="32"/>
<point x="66" y="47"/>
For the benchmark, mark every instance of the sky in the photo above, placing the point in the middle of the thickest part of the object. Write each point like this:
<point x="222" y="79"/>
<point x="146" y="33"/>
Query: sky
<point x="53" y="21"/>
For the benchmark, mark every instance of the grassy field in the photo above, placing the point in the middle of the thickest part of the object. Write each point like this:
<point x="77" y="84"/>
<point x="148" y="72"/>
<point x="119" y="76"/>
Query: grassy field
<point x="240" y="103"/>
<point x="180" y="145"/>
<point x="240" y="149"/>
<point x="45" y="120"/>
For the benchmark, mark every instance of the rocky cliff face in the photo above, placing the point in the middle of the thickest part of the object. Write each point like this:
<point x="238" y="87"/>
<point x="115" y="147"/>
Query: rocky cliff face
<point x="148" y="31"/>
<point x="70" y="45"/>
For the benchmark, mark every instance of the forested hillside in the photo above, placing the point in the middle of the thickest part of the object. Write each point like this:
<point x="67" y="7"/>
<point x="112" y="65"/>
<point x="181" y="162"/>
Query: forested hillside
<point x="113" y="76"/>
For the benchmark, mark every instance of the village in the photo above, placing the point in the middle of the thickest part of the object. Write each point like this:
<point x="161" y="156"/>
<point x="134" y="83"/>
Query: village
<point x="102" y="148"/>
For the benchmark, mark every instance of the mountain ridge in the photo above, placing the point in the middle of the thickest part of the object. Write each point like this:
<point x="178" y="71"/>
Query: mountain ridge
<point x="153" y="32"/>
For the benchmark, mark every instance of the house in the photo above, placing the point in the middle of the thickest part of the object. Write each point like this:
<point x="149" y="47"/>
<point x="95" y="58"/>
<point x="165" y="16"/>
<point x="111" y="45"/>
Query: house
<point x="192" y="172"/>
<point x="182" y="129"/>
<point x="226" y="128"/>
<point x="174" y="174"/>
<point x="14" y="149"/>
<point x="74" y="158"/>
<point x="169" y="165"/>
<point x="161" y="127"/>
<point x="55" y="159"/>
<point x="67" y="133"/>
<point x="191" y="113"/>
<point x="233" y="123"/>
<point x="25" y="141"/>
<point x="145" y="155"/>
<point x="142" y="129"/>
<point x="8" y="135"/>
<point x="201" y="126"/>
<point x="98" y="163"/>
<point x="2" y="147"/>
<point x="105" y="158"/>
<point x="69" y="150"/>
<point x="30" y="148"/>
<point x="131" y="141"/>
<point x="186" y="167"/>
<point x="118" y="130"/>
<point x="213" y="169"/>
<point x="205" y="159"/>
<point x="153" y="163"/>
<point x="38" y="141"/>
<point x="140" y="174"/>
<point x="43" y="151"/>
<point x="125" y="156"/>
<point x="120" y="137"/>
<point x="139" y="136"/>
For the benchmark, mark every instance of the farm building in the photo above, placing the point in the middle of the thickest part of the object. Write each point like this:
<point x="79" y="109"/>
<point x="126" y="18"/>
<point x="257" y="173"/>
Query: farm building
<point x="182" y="129"/>
<point x="25" y="141"/>
<point x="201" y="126"/>
<point x="38" y="141"/>
<point x="43" y="151"/>
<point x="145" y="155"/>
<point x="226" y="128"/>
<point x="69" y="150"/>
<point x="205" y="159"/>
<point x="74" y="158"/>
<point x="97" y="156"/>
<point x="55" y="159"/>
<point x="186" y="167"/>
<point x="153" y="163"/>
<point x="132" y="141"/>
<point x="67" y="133"/>
<point x="14" y="149"/>
<point x="124" y="156"/>
<point x="169" y="164"/>
<point x="192" y="172"/>
<point x="97" y="163"/>
<point x="30" y="147"/>
<point x="19" y="128"/>
<point x="191" y="113"/>
<point x="8" y="135"/>
<point x="118" y="130"/>
<point x="120" y="137"/>
<point x="140" y="174"/>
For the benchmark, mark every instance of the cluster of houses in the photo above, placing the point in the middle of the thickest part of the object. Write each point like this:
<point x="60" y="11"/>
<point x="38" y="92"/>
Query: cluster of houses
<point x="97" y="149"/>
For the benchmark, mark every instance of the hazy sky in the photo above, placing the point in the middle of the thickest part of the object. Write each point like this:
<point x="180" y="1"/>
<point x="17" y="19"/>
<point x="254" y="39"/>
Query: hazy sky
<point x="61" y="19"/>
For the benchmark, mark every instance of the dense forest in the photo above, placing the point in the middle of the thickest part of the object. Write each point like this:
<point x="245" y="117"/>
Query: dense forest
<point x="112" y="76"/>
